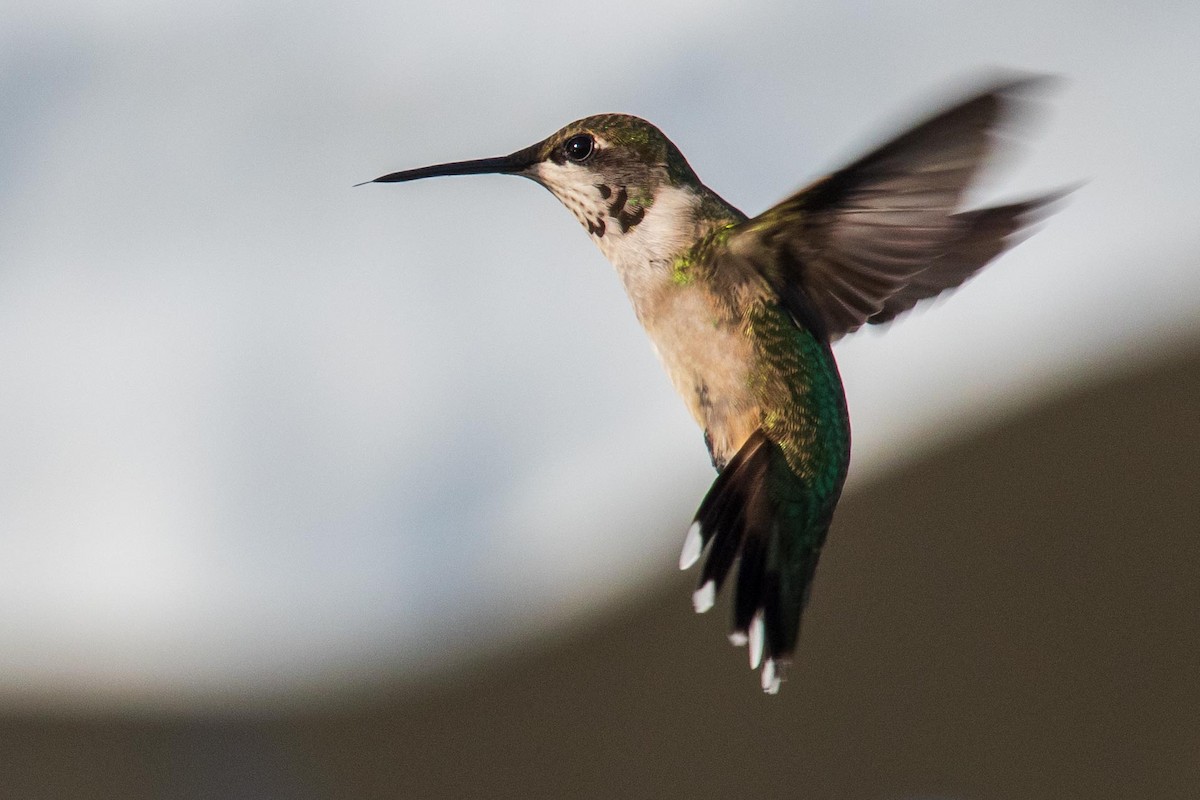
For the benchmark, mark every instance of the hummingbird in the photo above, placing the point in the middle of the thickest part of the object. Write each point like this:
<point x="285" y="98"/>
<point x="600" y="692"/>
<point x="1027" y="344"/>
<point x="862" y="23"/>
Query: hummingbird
<point x="742" y="312"/>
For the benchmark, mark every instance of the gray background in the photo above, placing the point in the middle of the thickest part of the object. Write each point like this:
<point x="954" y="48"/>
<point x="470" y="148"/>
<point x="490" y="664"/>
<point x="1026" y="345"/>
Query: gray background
<point x="305" y="487"/>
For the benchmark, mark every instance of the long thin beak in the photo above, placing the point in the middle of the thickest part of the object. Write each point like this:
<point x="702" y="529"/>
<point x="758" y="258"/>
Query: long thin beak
<point x="510" y="164"/>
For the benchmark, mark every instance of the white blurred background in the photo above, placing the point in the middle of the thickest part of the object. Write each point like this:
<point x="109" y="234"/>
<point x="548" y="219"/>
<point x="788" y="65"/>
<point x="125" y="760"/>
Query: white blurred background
<point x="261" y="431"/>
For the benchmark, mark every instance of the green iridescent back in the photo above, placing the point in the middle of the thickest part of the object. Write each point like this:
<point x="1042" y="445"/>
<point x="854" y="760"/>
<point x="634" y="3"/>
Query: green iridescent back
<point x="803" y="406"/>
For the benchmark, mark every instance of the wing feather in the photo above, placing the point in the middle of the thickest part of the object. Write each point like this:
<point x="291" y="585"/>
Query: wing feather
<point x="869" y="241"/>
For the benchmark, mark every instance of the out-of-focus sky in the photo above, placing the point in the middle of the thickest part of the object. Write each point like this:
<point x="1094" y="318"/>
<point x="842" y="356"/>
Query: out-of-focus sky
<point x="260" y="430"/>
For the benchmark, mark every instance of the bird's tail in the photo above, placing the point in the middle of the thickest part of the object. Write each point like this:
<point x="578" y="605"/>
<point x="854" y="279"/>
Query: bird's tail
<point x="762" y="516"/>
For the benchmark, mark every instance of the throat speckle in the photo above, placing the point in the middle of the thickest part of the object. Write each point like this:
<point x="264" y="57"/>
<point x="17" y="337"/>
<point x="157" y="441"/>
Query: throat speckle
<point x="626" y="214"/>
<point x="640" y="228"/>
<point x="645" y="238"/>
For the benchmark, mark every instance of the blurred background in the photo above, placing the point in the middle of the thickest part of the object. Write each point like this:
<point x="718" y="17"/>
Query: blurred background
<point x="312" y="491"/>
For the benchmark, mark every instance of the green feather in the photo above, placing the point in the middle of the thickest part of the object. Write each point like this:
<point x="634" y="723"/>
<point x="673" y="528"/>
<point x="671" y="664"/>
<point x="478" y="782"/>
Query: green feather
<point x="799" y="390"/>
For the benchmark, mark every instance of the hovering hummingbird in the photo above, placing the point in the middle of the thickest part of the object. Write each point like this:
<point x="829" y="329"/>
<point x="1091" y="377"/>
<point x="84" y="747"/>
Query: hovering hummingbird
<point x="742" y="312"/>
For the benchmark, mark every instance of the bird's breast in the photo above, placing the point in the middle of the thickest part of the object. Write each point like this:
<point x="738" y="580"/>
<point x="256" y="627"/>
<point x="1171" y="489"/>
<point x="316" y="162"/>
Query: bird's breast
<point x="709" y="359"/>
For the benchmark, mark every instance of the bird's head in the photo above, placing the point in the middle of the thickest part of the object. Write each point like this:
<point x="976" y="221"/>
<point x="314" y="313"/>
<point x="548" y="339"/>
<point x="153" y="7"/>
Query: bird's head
<point x="606" y="169"/>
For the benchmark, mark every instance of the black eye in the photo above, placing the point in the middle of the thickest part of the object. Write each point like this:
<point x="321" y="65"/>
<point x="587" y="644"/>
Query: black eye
<point x="579" y="147"/>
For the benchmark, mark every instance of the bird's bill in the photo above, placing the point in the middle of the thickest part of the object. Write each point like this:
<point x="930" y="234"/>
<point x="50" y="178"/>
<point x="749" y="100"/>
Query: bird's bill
<point x="514" y="163"/>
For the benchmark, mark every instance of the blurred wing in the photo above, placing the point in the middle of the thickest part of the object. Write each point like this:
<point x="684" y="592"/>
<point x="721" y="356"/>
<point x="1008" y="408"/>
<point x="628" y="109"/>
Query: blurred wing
<point x="986" y="233"/>
<point x="870" y="240"/>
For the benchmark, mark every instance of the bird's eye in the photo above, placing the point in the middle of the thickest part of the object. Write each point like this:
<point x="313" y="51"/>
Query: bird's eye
<point x="579" y="147"/>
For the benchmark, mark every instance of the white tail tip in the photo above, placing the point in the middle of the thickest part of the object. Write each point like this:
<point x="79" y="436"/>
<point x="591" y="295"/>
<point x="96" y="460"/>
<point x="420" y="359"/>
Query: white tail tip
<point x="704" y="597"/>
<point x="770" y="680"/>
<point x="738" y="639"/>
<point x="756" y="641"/>
<point x="692" y="545"/>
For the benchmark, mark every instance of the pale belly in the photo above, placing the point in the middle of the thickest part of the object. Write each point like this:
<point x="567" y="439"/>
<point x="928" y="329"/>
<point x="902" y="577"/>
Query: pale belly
<point x="708" y="359"/>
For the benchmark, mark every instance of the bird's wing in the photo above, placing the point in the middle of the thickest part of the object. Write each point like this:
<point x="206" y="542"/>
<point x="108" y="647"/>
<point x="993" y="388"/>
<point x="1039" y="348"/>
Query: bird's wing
<point x="867" y="242"/>
<point x="985" y="234"/>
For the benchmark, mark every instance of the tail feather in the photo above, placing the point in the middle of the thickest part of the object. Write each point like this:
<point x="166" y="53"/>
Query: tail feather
<point x="720" y="495"/>
<point x="759" y="514"/>
<point x="750" y="584"/>
<point x="722" y="514"/>
<point x="790" y="584"/>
